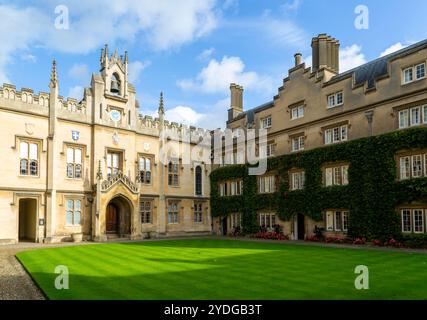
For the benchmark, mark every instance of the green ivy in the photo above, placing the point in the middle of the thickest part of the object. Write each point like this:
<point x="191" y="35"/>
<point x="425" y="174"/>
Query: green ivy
<point x="372" y="195"/>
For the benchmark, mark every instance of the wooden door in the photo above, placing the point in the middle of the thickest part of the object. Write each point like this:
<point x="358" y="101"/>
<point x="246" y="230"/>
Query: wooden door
<point x="112" y="218"/>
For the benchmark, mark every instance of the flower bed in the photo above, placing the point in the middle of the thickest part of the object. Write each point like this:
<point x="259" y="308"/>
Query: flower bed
<point x="270" y="236"/>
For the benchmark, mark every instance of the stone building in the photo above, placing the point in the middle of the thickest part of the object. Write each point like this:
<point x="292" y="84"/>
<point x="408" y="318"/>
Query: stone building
<point x="318" y="106"/>
<point x="96" y="168"/>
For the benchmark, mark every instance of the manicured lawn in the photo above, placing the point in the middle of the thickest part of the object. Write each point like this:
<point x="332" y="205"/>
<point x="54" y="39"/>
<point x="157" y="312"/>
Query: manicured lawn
<point x="225" y="269"/>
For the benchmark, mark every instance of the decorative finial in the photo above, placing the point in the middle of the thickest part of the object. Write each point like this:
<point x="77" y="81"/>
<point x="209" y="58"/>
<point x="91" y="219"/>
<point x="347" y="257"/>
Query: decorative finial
<point x="99" y="173"/>
<point x="54" y="76"/>
<point x="126" y="57"/>
<point x="102" y="56"/>
<point x="161" y="104"/>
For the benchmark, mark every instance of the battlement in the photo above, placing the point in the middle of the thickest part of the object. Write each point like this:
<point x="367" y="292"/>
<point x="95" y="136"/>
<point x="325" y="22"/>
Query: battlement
<point x="30" y="101"/>
<point x="9" y="92"/>
<point x="72" y="105"/>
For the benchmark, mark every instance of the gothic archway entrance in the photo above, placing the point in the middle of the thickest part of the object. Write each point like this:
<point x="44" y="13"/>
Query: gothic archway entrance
<point x="118" y="216"/>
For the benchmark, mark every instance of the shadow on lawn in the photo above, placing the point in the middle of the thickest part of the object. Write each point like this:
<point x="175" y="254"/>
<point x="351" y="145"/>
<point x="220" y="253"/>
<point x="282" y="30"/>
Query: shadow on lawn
<point x="209" y="243"/>
<point x="249" y="276"/>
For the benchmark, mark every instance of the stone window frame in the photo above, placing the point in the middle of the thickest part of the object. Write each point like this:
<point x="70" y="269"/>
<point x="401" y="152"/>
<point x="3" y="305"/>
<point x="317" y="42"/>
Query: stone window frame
<point x="143" y="211"/>
<point x="151" y="158"/>
<point x="291" y="178"/>
<point x="29" y="142"/>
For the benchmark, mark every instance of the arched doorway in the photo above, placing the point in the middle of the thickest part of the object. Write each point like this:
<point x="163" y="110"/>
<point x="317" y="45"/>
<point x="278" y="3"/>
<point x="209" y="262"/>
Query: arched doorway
<point x="118" y="216"/>
<point x="27" y="220"/>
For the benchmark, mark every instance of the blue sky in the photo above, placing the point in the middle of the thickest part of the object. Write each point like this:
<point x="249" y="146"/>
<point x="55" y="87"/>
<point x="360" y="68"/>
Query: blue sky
<point x="192" y="49"/>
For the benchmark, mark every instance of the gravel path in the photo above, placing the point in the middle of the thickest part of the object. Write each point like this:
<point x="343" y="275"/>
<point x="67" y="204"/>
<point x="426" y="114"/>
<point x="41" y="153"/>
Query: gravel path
<point x="15" y="283"/>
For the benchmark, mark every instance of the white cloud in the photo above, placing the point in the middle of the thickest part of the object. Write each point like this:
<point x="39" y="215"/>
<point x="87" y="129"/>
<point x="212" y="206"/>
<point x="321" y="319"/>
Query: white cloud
<point x="76" y="92"/>
<point x="135" y="69"/>
<point x="79" y="71"/>
<point x="206" y="54"/>
<point x="24" y="33"/>
<point x="217" y="76"/>
<point x="185" y="115"/>
<point x="351" y="57"/>
<point x="283" y="32"/>
<point x="395" y="47"/>
<point x="29" y="58"/>
<point x="215" y="116"/>
<point x="291" y="6"/>
<point x="308" y="61"/>
<point x="159" y="25"/>
<point x="230" y="4"/>
<point x="162" y="24"/>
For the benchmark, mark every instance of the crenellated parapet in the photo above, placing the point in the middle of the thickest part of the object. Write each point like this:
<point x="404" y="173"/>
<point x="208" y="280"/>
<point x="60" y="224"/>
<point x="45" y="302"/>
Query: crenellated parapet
<point x="72" y="105"/>
<point x="26" y="96"/>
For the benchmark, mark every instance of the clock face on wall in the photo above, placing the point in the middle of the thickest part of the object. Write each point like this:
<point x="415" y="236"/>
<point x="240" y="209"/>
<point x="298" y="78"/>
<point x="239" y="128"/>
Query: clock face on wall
<point x="115" y="115"/>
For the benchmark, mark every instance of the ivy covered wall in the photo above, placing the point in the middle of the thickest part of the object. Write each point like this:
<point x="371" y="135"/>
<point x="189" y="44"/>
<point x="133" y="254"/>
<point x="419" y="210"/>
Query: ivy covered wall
<point x="372" y="195"/>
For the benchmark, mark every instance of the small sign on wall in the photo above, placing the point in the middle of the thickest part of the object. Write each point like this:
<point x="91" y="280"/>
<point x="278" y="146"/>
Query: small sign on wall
<point x="41" y="222"/>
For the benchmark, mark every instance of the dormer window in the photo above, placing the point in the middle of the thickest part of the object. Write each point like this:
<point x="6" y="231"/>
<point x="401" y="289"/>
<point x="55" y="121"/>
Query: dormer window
<point x="266" y="123"/>
<point x="115" y="84"/>
<point x="297" y="112"/>
<point x="335" y="100"/>
<point x="414" y="73"/>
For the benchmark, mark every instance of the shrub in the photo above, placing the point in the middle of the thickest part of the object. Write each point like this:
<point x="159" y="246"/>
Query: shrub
<point x="236" y="232"/>
<point x="414" y="240"/>
<point x="335" y="240"/>
<point x="359" y="241"/>
<point x="313" y="238"/>
<point x="393" y="243"/>
<point x="377" y="243"/>
<point x="319" y="232"/>
<point x="270" y="236"/>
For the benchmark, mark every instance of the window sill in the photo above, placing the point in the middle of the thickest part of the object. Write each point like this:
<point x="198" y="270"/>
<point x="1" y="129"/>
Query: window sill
<point x="336" y="106"/>
<point x="28" y="176"/>
<point x="413" y="81"/>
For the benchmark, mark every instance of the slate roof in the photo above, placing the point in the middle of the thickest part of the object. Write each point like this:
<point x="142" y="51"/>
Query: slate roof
<point x="251" y="112"/>
<point x="377" y="68"/>
<point x="368" y="72"/>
